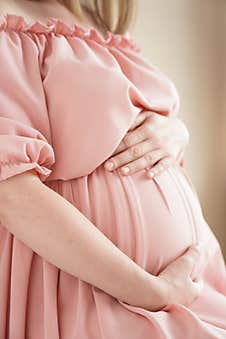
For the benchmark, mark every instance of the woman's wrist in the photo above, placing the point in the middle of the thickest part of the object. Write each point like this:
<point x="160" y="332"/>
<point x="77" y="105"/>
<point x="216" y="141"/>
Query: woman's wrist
<point x="157" y="297"/>
<point x="150" y="292"/>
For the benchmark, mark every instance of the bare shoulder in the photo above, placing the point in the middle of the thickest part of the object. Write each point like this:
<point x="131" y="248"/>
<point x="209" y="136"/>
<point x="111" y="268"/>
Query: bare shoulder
<point x="33" y="10"/>
<point x="127" y="34"/>
<point x="17" y="8"/>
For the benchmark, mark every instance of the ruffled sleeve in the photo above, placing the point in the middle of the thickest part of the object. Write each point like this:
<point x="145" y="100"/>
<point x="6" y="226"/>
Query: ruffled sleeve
<point x="25" y="138"/>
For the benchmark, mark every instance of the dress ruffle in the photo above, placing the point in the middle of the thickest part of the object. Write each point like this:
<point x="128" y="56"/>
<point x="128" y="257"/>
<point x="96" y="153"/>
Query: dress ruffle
<point x="58" y="26"/>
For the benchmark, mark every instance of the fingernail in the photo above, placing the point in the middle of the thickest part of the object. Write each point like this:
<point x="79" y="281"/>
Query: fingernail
<point x="109" y="165"/>
<point x="151" y="174"/>
<point x="125" y="170"/>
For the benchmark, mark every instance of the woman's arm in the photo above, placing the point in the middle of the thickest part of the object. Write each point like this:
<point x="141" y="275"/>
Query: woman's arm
<point x="60" y="233"/>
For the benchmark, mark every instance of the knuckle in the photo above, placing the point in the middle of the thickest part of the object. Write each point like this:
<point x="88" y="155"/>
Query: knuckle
<point x="148" y="157"/>
<point x="115" y="161"/>
<point x="135" y="151"/>
<point x="119" y="159"/>
<point x="127" y="141"/>
<point x="143" y="162"/>
<point x="147" y="130"/>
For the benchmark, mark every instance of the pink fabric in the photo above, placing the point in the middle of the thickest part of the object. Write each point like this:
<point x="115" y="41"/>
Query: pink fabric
<point x="67" y="98"/>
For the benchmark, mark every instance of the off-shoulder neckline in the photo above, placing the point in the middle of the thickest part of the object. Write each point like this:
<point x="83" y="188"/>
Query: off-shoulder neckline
<point x="52" y="25"/>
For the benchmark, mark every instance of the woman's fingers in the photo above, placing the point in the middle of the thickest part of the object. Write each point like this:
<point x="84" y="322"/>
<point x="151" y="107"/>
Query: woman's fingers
<point x="197" y="287"/>
<point x="151" y="144"/>
<point x="190" y="258"/>
<point x="142" y="151"/>
<point x="200" y="264"/>
<point x="140" y="119"/>
<point x="181" y="286"/>
<point x="134" y="137"/>
<point x="147" y="160"/>
<point x="160" y="167"/>
<point x="145" y="157"/>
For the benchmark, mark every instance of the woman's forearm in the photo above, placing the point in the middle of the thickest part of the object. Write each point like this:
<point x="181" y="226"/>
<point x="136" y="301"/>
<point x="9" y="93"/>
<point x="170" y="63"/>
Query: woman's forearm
<point x="62" y="235"/>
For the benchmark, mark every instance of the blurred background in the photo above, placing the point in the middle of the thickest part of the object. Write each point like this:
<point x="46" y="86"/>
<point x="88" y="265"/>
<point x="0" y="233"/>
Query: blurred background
<point x="186" y="39"/>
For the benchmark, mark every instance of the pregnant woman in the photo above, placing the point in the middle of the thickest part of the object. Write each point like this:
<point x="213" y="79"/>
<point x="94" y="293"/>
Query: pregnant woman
<point x="87" y="252"/>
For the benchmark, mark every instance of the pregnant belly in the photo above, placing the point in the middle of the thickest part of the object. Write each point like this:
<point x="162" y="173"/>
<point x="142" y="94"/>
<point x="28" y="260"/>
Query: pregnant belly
<point x="152" y="221"/>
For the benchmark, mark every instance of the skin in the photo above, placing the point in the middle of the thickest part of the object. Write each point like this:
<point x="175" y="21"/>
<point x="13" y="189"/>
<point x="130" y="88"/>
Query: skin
<point x="154" y="142"/>
<point x="56" y="230"/>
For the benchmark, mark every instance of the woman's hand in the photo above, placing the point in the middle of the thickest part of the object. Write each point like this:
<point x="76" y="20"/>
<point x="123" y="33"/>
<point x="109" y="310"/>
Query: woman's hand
<point x="152" y="143"/>
<point x="179" y="283"/>
<point x="182" y="284"/>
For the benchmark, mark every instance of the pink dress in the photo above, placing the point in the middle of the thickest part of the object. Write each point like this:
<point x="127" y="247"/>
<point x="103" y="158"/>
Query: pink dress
<point x="67" y="98"/>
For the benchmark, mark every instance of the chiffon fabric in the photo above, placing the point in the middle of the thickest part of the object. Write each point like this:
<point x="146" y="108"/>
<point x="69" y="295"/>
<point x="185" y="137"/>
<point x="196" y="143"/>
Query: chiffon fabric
<point x="67" y="98"/>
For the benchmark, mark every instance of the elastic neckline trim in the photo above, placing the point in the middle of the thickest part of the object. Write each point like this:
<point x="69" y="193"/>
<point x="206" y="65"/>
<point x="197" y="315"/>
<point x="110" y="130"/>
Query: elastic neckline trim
<point x="58" y="26"/>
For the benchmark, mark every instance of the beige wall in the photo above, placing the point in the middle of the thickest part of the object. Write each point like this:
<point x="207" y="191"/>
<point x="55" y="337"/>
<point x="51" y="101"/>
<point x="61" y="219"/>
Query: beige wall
<point x="186" y="39"/>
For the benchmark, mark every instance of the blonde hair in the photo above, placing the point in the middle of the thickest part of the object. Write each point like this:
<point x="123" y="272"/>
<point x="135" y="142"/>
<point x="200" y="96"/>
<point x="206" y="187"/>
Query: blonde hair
<point x="116" y="16"/>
